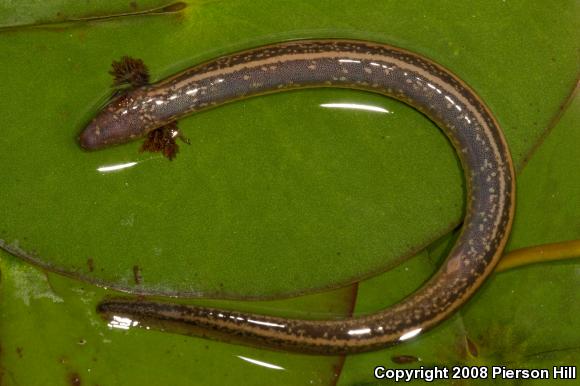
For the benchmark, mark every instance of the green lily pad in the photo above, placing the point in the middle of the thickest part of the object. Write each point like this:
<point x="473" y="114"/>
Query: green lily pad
<point x="41" y="13"/>
<point x="270" y="186"/>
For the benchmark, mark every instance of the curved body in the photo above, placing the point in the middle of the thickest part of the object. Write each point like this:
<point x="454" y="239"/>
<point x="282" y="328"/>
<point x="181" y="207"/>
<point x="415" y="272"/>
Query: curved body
<point x="372" y="67"/>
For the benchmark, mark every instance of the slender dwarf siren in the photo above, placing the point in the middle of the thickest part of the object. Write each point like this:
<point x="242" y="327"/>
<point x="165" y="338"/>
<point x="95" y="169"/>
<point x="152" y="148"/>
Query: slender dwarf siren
<point x="372" y="67"/>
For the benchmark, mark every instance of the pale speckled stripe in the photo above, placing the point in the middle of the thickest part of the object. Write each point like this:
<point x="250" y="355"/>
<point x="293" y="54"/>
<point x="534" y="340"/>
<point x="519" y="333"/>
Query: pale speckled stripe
<point x="374" y="67"/>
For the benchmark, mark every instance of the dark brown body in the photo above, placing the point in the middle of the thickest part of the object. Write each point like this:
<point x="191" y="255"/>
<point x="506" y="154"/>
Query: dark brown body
<point x="372" y="67"/>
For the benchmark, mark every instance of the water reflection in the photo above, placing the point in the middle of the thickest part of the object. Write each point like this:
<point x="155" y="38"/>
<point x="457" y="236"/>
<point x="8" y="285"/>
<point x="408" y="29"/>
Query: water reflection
<point x="360" y="331"/>
<point x="356" y="106"/>
<point x="268" y="324"/>
<point x="261" y="363"/>
<point x="122" y="323"/>
<point x="410" y="334"/>
<point x="112" y="168"/>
